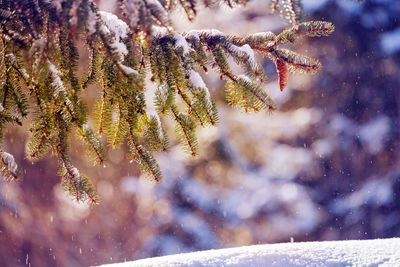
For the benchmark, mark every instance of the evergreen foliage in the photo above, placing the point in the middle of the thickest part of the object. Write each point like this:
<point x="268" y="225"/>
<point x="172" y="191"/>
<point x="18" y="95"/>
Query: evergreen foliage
<point x="38" y="75"/>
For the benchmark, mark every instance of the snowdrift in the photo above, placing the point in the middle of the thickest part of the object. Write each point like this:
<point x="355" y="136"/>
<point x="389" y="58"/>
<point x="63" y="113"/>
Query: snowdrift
<point x="378" y="252"/>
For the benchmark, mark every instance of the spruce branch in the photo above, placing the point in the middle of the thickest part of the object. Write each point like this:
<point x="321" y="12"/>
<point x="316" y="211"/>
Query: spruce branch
<point x="96" y="54"/>
<point x="155" y="136"/>
<point x="145" y="160"/>
<point x="39" y="74"/>
<point x="297" y="63"/>
<point x="102" y="113"/>
<point x="204" y="105"/>
<point x="309" y="28"/>
<point x="73" y="181"/>
<point x="185" y="131"/>
<point x="95" y="149"/>
<point x="244" y="94"/>
<point x="315" y="28"/>
<point x="119" y="127"/>
<point x="38" y="145"/>
<point x="190" y="8"/>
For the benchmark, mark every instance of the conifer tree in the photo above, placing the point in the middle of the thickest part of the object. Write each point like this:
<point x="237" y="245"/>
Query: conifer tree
<point x="38" y="75"/>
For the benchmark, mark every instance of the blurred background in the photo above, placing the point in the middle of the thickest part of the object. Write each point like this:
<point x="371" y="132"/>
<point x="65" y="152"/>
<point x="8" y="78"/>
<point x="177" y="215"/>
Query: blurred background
<point x="325" y="166"/>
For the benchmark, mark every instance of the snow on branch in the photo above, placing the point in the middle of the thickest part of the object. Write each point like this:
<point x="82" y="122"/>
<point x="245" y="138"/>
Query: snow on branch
<point x="60" y="92"/>
<point x="246" y="53"/>
<point x="9" y="166"/>
<point x="196" y="79"/>
<point x="181" y="42"/>
<point x="119" y="30"/>
<point x="152" y="115"/>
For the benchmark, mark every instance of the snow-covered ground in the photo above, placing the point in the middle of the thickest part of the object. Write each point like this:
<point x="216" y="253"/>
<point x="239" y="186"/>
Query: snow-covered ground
<point x="378" y="252"/>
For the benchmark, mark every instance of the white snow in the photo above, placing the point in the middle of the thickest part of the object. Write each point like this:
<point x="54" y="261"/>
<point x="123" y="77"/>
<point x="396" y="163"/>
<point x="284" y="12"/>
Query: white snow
<point x="85" y="128"/>
<point x="211" y="32"/>
<point x="58" y="84"/>
<point x="263" y="35"/>
<point x="75" y="173"/>
<point x="116" y="25"/>
<point x="378" y="252"/>
<point x="198" y="82"/>
<point x="119" y="30"/>
<point x="196" y="79"/>
<point x="193" y="34"/>
<point x="250" y="54"/>
<point x="9" y="160"/>
<point x="14" y="62"/>
<point x="181" y="42"/>
<point x="244" y="51"/>
<point x="159" y="31"/>
<point x="163" y="89"/>
<point x="128" y="70"/>
<point x="91" y="22"/>
<point x="245" y="78"/>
